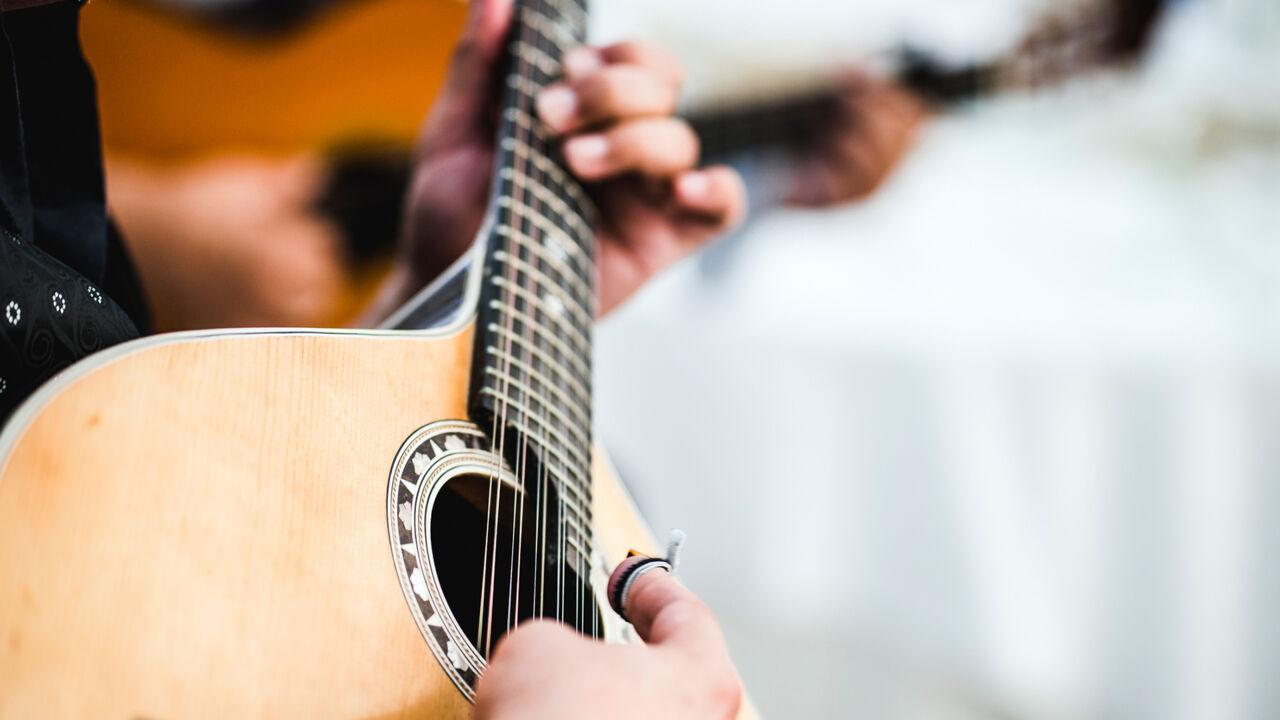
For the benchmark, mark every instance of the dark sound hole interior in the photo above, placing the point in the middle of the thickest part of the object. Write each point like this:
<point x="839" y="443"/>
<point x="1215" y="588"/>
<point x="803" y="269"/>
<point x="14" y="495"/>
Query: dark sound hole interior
<point x="496" y="574"/>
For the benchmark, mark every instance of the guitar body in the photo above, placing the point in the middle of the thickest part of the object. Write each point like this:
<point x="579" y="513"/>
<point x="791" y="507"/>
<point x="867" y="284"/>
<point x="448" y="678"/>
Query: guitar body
<point x="363" y="71"/>
<point x="327" y="523"/>
<point x="196" y="526"/>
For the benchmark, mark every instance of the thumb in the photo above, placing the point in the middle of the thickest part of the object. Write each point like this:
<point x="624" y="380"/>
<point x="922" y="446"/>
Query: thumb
<point x="468" y="91"/>
<point x="666" y="613"/>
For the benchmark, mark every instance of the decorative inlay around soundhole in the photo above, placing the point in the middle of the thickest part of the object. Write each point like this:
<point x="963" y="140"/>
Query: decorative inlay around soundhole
<point x="477" y="551"/>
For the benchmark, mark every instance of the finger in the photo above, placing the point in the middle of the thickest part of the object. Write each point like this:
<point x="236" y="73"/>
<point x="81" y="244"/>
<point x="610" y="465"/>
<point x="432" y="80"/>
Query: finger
<point x="532" y="638"/>
<point x="648" y="56"/>
<point x="665" y="613"/>
<point x="657" y="147"/>
<point x="517" y="671"/>
<point x="612" y="93"/>
<point x="469" y="85"/>
<point x="715" y="195"/>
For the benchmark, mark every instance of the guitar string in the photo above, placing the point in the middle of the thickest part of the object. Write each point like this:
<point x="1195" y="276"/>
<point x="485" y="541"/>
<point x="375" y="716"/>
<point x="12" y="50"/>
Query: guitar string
<point x="581" y="564"/>
<point x="542" y="509"/>
<point x="561" y="537"/>
<point x="542" y="503"/>
<point x="493" y="510"/>
<point x="503" y="403"/>
<point x="578" y="583"/>
<point x="543" y="42"/>
<point x="588" y="430"/>
<point x="517" y="526"/>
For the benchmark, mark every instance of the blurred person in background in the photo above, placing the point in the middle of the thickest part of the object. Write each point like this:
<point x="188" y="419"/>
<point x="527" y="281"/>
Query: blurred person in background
<point x="299" y="238"/>
<point x="1021" y="398"/>
<point x="330" y="212"/>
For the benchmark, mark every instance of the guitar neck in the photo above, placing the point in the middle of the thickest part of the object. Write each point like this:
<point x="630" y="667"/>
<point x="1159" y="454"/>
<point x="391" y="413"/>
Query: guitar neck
<point x="531" y="383"/>
<point x="800" y="122"/>
<point x="787" y="124"/>
<point x="1062" y="45"/>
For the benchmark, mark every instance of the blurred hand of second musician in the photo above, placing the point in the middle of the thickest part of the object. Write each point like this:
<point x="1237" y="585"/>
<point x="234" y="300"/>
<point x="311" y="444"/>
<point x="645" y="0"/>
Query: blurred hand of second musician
<point x="877" y="122"/>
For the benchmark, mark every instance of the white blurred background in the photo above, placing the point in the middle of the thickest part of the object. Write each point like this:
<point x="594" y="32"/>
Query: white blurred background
<point x="999" y="441"/>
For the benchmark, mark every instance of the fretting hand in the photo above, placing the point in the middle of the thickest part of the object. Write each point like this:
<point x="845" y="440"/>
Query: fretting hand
<point x="614" y="111"/>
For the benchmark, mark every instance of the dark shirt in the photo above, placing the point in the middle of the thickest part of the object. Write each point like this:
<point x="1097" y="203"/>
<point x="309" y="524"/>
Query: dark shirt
<point x="67" y="288"/>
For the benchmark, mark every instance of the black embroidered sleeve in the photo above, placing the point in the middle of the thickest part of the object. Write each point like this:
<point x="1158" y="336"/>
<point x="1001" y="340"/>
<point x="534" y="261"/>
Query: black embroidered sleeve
<point x="53" y="316"/>
<point x="67" y="288"/>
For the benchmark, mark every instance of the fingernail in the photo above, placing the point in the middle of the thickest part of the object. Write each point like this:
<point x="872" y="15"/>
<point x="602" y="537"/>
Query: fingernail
<point x="693" y="185"/>
<point x="581" y="61"/>
<point x="586" y="150"/>
<point x="556" y="106"/>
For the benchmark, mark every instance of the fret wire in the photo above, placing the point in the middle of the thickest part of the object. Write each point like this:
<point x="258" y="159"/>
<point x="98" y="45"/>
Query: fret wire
<point x="569" y="276"/>
<point x="572" y="427"/>
<point x="575" y="499"/>
<point x="576" y="425"/>
<point x="520" y="117"/>
<point x="534" y="55"/>
<point x="581" y="541"/>
<point x="568" y="188"/>
<point x="569" y="12"/>
<point x="556" y="364"/>
<point x="583" y="396"/>
<point x="498" y="329"/>
<point x="556" y="35"/>
<point x="577" y="17"/>
<point x="574" y="218"/>
<point x="572" y="301"/>
<point x="552" y="234"/>
<point x="505" y="308"/>
<point x="571" y="471"/>
<point x="565" y="446"/>
<point x="584" y="343"/>
<point x="576" y="481"/>
<point x="574" y="404"/>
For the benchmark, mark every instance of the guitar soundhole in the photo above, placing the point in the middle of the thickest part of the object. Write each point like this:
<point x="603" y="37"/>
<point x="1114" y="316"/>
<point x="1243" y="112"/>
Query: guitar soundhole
<point x="500" y="559"/>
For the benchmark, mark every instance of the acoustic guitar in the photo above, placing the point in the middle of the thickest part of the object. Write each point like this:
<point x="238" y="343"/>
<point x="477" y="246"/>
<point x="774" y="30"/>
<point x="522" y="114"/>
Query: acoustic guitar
<point x="1063" y="44"/>
<point x="326" y="523"/>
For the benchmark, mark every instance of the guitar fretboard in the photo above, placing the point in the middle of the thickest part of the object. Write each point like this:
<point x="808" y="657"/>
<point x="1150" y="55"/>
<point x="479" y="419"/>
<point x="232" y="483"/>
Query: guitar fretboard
<point x="532" y="380"/>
